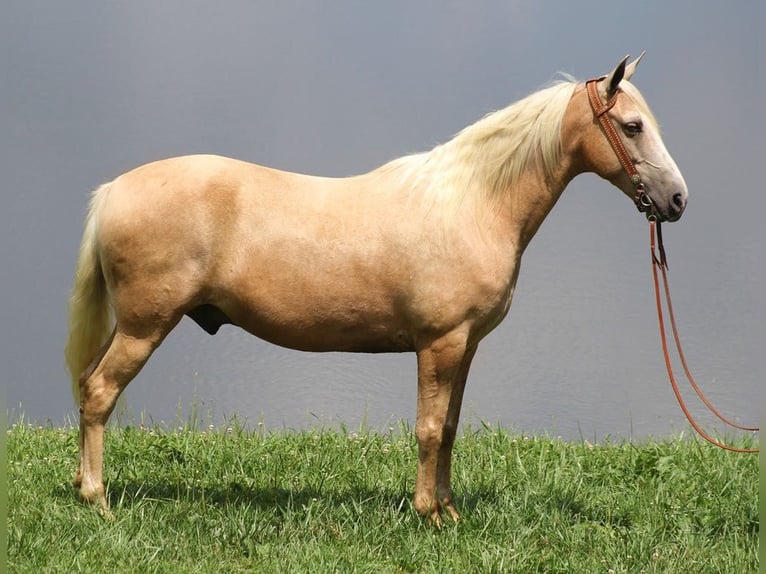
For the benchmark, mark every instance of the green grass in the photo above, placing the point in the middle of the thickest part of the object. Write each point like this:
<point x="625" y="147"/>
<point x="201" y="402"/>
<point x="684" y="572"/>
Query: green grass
<point x="234" y="500"/>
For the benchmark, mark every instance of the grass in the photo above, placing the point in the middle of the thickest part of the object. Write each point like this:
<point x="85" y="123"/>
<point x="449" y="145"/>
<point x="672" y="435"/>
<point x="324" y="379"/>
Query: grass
<point x="236" y="500"/>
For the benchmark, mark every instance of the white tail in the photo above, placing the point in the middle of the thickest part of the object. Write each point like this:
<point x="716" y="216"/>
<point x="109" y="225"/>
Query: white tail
<point x="90" y="315"/>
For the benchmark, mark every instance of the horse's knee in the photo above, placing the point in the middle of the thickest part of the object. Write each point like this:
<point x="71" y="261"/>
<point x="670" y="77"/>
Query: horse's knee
<point x="429" y="433"/>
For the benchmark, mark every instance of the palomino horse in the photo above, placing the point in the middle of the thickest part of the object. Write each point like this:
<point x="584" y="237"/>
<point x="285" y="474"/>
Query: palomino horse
<point x="421" y="254"/>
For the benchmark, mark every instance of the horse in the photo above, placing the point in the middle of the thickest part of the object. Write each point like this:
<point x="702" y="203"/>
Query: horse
<point x="419" y="255"/>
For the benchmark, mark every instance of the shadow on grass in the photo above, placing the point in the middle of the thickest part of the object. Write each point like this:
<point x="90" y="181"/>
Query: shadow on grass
<point x="131" y="493"/>
<point x="127" y="494"/>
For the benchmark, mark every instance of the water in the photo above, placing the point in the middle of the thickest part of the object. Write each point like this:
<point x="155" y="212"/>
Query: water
<point x="578" y="355"/>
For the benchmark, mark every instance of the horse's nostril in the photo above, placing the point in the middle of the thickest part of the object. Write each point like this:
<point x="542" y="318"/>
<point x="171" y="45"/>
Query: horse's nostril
<point x="678" y="200"/>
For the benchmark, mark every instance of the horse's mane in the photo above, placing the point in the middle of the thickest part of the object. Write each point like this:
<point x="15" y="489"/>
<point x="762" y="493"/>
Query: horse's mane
<point x="486" y="158"/>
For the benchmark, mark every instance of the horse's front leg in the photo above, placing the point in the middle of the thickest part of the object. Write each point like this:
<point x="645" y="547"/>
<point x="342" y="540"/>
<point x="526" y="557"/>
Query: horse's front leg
<point x="444" y="463"/>
<point x="442" y="370"/>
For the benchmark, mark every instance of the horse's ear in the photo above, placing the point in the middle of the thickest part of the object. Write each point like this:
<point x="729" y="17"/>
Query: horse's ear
<point x="631" y="68"/>
<point x="612" y="81"/>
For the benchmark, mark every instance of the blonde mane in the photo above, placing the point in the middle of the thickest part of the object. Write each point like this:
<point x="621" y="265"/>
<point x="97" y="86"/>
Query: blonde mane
<point x="484" y="160"/>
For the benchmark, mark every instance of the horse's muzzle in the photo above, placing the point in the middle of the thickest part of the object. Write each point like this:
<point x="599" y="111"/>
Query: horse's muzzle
<point x="675" y="207"/>
<point x="666" y="211"/>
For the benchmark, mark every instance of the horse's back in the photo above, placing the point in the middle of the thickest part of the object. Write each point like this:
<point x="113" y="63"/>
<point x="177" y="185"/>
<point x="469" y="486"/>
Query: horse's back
<point x="191" y="178"/>
<point x="186" y="199"/>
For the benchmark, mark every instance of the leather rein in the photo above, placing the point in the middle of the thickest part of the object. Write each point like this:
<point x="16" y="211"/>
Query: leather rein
<point x="659" y="262"/>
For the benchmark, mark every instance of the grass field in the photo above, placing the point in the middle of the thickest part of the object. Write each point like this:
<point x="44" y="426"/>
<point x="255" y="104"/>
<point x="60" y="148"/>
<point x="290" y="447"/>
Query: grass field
<point x="232" y="500"/>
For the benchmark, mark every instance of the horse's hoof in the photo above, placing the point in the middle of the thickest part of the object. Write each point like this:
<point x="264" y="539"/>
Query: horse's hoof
<point x="450" y="508"/>
<point x="434" y="519"/>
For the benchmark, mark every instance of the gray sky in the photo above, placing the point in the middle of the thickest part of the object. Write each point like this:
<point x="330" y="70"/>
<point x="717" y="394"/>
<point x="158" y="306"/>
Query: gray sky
<point x="91" y="90"/>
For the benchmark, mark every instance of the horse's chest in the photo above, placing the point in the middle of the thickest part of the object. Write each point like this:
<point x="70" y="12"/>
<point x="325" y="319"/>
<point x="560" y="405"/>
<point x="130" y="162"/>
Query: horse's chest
<point x="494" y="296"/>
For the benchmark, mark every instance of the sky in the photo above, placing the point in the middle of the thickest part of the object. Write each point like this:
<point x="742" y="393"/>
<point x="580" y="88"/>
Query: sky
<point x="91" y="90"/>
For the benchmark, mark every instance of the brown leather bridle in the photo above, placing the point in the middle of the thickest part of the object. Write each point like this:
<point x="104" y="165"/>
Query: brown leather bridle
<point x="659" y="261"/>
<point x="642" y="200"/>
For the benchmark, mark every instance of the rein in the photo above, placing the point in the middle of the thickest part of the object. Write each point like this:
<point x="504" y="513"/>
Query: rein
<point x="659" y="261"/>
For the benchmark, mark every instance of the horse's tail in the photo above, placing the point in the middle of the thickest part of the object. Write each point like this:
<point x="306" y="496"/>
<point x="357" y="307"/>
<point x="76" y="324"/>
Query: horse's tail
<point x="90" y="315"/>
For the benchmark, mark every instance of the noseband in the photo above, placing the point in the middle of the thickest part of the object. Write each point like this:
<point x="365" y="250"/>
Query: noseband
<point x="642" y="200"/>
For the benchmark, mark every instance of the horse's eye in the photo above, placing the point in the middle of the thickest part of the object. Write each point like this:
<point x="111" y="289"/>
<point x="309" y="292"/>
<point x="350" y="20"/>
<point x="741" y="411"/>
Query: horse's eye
<point x="632" y="128"/>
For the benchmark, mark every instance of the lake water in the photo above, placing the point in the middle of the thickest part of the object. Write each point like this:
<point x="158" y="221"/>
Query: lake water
<point x="92" y="92"/>
<point x="578" y="356"/>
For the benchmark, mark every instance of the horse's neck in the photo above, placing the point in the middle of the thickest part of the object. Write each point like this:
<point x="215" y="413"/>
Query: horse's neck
<point x="531" y="199"/>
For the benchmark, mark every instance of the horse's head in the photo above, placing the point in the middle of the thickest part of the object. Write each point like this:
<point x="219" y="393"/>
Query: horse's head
<point x="637" y="162"/>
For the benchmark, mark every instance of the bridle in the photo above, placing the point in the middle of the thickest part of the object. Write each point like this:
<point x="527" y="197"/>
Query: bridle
<point x="642" y="200"/>
<point x="645" y="205"/>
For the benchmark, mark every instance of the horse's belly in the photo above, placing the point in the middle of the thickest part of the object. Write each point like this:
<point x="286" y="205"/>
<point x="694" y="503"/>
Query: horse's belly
<point x="320" y="337"/>
<point x="308" y="327"/>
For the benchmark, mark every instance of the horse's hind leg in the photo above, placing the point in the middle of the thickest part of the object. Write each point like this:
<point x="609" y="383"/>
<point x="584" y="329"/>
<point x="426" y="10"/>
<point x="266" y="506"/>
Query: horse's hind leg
<point x="84" y="376"/>
<point x="99" y="390"/>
